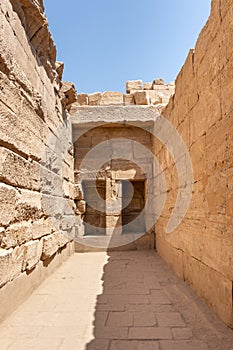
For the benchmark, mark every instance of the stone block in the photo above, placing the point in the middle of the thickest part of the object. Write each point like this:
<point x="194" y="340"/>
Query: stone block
<point x="50" y="246"/>
<point x="52" y="243"/>
<point x="183" y="345"/>
<point x="141" y="98"/>
<point x="81" y="100"/>
<point x="16" y="234"/>
<point x="111" y="98"/>
<point x="42" y="227"/>
<point x="67" y="224"/>
<point x="66" y="189"/>
<point x="182" y="333"/>
<point x="78" y="192"/>
<point x="173" y="256"/>
<point x="8" y="200"/>
<point x="203" y="280"/>
<point x="114" y="206"/>
<point x="33" y="251"/>
<point x="149" y="333"/>
<point x="122" y="148"/>
<point x="148" y="86"/>
<point x="129" y="99"/>
<point x="74" y="107"/>
<point x="156" y="97"/>
<point x="67" y="172"/>
<point x="56" y="207"/>
<point x="25" y="134"/>
<point x="170" y="319"/>
<point x="134" y="344"/>
<point x="113" y="221"/>
<point x="17" y="171"/>
<point x="11" y="262"/>
<point x="67" y="93"/>
<point x="133" y="85"/>
<point x="159" y="81"/>
<point x="94" y="99"/>
<point x="83" y="141"/>
<point x="51" y="183"/>
<point x="28" y="205"/>
<point x="81" y="206"/>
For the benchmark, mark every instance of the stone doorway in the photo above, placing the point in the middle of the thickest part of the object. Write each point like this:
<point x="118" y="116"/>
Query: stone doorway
<point x="114" y="204"/>
<point x="94" y="219"/>
<point x="113" y="165"/>
<point x="133" y="206"/>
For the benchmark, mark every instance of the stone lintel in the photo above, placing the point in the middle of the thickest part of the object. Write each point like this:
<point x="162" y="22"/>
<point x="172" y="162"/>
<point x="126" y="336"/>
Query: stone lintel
<point x="112" y="115"/>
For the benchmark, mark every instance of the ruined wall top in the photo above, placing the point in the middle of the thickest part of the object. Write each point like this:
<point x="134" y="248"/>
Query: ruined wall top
<point x="155" y="93"/>
<point x="33" y="19"/>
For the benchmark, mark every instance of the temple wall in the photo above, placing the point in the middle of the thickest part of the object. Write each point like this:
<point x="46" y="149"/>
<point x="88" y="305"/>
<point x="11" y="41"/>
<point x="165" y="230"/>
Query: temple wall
<point x="36" y="166"/>
<point x="201" y="249"/>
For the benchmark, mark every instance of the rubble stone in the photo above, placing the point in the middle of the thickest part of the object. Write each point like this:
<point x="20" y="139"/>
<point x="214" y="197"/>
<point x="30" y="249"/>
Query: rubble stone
<point x="148" y="86"/>
<point x="133" y="85"/>
<point x="158" y="82"/>
<point x="129" y="99"/>
<point x="67" y="93"/>
<point x="94" y="99"/>
<point x="141" y="98"/>
<point x="111" y="98"/>
<point x="82" y="99"/>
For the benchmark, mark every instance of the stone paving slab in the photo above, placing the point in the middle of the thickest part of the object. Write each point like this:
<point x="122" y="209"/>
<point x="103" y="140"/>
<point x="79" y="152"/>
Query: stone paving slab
<point x="114" y="301"/>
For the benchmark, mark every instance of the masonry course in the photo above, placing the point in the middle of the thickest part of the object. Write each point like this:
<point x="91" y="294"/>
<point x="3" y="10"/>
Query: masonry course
<point x="41" y="199"/>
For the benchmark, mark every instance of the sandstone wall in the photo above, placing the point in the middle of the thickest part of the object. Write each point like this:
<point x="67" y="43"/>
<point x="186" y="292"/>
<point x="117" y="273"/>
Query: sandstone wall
<point x="201" y="248"/>
<point x="119" y="159"/>
<point x="36" y="155"/>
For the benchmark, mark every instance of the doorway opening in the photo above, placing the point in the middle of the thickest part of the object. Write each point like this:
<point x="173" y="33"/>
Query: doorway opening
<point x="95" y="217"/>
<point x="133" y="205"/>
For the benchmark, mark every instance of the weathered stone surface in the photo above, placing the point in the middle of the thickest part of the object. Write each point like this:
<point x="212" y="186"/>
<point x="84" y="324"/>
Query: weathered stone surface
<point x="200" y="249"/>
<point x="78" y="192"/>
<point x="17" y="171"/>
<point x="50" y="246"/>
<point x="59" y="69"/>
<point x="31" y="15"/>
<point x="148" y="86"/>
<point x="111" y="98"/>
<point x="81" y="100"/>
<point x="33" y="251"/>
<point x="31" y="116"/>
<point x="141" y="98"/>
<point x="8" y="200"/>
<point x="203" y="279"/>
<point x="94" y="99"/>
<point x="42" y="227"/>
<point x="67" y="93"/>
<point x="81" y="206"/>
<point x="11" y="262"/>
<point x="159" y="81"/>
<point x="28" y="206"/>
<point x="52" y="243"/>
<point x="16" y="234"/>
<point x="155" y="97"/>
<point x="129" y="99"/>
<point x="133" y="85"/>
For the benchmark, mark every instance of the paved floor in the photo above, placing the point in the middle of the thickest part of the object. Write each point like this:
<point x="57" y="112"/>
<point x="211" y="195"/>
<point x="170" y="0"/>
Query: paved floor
<point x="114" y="301"/>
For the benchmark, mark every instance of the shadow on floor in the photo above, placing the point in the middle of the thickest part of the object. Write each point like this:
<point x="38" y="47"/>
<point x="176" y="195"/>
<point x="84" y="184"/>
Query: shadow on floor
<point x="144" y="306"/>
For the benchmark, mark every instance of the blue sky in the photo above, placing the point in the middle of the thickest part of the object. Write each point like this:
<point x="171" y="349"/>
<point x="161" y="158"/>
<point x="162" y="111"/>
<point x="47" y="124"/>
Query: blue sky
<point x="104" y="43"/>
